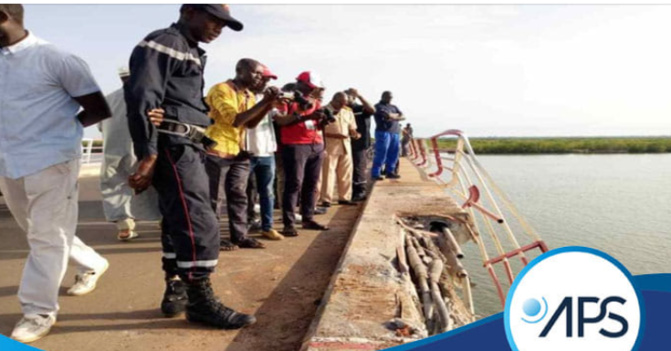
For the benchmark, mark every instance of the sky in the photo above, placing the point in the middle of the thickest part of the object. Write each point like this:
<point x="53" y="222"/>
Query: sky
<point x="489" y="70"/>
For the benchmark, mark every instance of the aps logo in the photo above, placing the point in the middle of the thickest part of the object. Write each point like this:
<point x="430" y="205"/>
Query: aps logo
<point x="574" y="298"/>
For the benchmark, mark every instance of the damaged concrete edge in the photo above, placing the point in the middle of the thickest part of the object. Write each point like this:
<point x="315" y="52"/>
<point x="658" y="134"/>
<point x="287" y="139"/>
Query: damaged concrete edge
<point x="347" y="318"/>
<point x="309" y="336"/>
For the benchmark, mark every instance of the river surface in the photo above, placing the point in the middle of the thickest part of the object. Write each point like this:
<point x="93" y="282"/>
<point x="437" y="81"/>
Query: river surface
<point x="619" y="204"/>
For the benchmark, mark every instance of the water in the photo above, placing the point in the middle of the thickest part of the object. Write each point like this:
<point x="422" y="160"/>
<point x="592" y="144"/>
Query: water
<point x="619" y="204"/>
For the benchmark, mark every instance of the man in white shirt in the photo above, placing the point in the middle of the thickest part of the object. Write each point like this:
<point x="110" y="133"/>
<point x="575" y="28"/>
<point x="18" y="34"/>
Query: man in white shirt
<point x="120" y="204"/>
<point x="41" y="90"/>
<point x="261" y="145"/>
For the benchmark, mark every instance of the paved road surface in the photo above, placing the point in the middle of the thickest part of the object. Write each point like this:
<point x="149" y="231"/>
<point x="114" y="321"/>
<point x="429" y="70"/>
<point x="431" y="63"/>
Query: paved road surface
<point x="282" y="285"/>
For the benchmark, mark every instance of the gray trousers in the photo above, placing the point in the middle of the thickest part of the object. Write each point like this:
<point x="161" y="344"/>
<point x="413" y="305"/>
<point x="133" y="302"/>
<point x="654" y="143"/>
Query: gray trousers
<point x="228" y="185"/>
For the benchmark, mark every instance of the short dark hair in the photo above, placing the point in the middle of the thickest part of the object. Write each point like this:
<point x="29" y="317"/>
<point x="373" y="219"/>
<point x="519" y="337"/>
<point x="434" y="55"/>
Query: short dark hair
<point x="14" y="10"/>
<point x="339" y="94"/>
<point x="246" y="63"/>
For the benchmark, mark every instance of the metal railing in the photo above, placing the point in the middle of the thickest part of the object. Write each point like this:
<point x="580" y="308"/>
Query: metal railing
<point x="90" y="152"/>
<point x="458" y="169"/>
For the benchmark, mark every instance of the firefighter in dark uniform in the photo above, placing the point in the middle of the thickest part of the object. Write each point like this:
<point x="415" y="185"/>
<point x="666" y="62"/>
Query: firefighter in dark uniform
<point x="166" y="83"/>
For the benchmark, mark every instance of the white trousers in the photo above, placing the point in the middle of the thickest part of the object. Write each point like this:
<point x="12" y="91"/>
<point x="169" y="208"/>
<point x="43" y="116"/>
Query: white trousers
<point x="45" y="206"/>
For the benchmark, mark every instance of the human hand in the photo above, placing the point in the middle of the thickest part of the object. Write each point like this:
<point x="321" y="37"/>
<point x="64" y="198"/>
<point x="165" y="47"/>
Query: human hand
<point x="141" y="179"/>
<point x="156" y="116"/>
<point x="318" y="115"/>
<point x="271" y="94"/>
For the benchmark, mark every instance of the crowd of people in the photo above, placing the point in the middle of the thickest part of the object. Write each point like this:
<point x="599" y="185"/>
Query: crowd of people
<point x="175" y="154"/>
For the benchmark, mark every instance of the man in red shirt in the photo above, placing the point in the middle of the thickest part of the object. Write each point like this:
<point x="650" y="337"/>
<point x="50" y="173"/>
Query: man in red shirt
<point x="302" y="154"/>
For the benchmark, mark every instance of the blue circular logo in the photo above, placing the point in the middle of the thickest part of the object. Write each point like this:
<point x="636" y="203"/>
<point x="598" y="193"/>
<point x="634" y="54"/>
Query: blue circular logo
<point x="532" y="307"/>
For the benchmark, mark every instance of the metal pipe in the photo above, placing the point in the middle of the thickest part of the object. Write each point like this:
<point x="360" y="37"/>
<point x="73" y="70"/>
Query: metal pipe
<point x="452" y="242"/>
<point x="421" y="273"/>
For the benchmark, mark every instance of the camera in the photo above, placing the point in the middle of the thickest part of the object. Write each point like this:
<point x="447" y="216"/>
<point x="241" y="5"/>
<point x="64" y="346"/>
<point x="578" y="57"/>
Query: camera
<point x="297" y="97"/>
<point x="329" y="115"/>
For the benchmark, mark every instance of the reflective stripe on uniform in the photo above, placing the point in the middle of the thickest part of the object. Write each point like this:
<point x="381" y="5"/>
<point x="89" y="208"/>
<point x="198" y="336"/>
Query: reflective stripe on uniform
<point x="191" y="264"/>
<point x="170" y="51"/>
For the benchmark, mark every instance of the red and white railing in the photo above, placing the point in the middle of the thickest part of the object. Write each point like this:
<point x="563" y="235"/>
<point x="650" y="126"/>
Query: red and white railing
<point x="459" y="170"/>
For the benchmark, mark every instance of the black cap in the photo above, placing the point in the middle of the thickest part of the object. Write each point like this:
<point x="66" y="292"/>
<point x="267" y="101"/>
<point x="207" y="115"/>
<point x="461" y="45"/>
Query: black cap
<point x="220" y="11"/>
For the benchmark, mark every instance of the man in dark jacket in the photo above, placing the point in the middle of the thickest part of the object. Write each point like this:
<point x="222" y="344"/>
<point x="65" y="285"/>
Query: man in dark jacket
<point x="362" y="113"/>
<point x="167" y="81"/>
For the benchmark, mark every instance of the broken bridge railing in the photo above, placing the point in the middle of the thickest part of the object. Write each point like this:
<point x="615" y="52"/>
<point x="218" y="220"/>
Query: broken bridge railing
<point x="458" y="169"/>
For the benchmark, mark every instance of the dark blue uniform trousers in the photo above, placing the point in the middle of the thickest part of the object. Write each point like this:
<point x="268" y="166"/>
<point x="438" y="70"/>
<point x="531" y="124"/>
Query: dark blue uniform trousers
<point x="190" y="230"/>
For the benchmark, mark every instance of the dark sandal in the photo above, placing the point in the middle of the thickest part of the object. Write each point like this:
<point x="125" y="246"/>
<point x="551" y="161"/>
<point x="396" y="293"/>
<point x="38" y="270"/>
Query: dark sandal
<point x="289" y="232"/>
<point x="312" y="225"/>
<point x="251" y="243"/>
<point x="227" y="245"/>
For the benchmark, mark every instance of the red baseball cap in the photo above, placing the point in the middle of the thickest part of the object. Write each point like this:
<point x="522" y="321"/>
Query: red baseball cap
<point x="310" y="78"/>
<point x="268" y="73"/>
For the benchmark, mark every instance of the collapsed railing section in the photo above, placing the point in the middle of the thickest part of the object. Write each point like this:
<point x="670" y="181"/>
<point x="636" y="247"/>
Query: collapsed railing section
<point x="432" y="259"/>
<point x="458" y="169"/>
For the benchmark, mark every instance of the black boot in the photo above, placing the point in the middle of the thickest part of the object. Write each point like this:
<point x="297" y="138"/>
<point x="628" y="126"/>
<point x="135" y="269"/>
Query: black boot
<point x="174" y="297"/>
<point x="205" y="308"/>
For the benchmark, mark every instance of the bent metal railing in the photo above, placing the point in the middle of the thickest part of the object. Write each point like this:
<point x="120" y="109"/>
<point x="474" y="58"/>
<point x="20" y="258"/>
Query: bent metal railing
<point x="459" y="170"/>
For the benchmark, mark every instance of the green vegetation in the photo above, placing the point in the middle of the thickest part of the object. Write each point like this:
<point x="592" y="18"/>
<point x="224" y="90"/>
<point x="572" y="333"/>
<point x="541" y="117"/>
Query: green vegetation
<point x="600" y="145"/>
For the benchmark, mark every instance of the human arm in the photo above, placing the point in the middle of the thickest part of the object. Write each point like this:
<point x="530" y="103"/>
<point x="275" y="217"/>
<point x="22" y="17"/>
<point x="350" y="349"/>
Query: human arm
<point x="335" y="135"/>
<point x="145" y="92"/>
<point x="94" y="108"/>
<point x="353" y="127"/>
<point x="395" y="116"/>
<point x="75" y="77"/>
<point x="224" y="101"/>
<point x="289" y="115"/>
<point x="264" y="106"/>
<point x="367" y="107"/>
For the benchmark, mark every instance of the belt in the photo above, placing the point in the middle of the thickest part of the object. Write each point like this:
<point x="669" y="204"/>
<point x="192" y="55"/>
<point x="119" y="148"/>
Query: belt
<point x="192" y="132"/>
<point x="242" y="155"/>
<point x="174" y="127"/>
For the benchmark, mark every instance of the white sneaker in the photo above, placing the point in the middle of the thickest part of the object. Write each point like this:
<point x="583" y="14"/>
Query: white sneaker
<point x="86" y="282"/>
<point x="32" y="327"/>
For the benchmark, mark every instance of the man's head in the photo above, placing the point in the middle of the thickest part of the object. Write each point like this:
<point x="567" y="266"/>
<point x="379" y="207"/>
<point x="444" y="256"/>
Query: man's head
<point x="318" y="94"/>
<point x="248" y="73"/>
<point x="339" y="100"/>
<point x="205" y="22"/>
<point x="386" y="97"/>
<point x="351" y="97"/>
<point x="265" y="78"/>
<point x="407" y="125"/>
<point x="308" y="83"/>
<point x="11" y="20"/>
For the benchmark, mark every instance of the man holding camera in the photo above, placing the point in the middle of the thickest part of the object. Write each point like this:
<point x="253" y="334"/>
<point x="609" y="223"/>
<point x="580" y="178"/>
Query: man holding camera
<point x="262" y="145"/>
<point x="302" y="153"/>
<point x="234" y="110"/>
<point x="167" y="80"/>
<point x="338" y="161"/>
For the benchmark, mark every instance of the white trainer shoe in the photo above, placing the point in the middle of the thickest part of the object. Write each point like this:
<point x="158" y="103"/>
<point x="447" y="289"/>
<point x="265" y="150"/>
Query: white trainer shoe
<point x="86" y="282"/>
<point x="32" y="327"/>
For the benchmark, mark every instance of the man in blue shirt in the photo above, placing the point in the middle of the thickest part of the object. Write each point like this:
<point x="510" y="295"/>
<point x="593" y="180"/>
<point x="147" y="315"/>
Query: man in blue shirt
<point x="387" y="129"/>
<point x="42" y="88"/>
